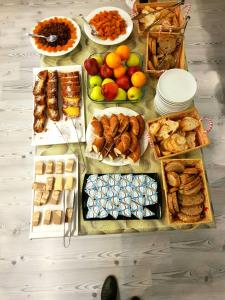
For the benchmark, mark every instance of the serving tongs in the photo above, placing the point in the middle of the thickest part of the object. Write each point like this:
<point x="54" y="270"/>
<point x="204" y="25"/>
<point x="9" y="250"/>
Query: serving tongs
<point x="140" y="15"/>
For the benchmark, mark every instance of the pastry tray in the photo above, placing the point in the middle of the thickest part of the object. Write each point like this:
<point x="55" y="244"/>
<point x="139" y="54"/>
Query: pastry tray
<point x="71" y="200"/>
<point x="156" y="208"/>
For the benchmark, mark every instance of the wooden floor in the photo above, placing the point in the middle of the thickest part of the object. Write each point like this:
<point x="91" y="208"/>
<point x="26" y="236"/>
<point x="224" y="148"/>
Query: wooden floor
<point x="187" y="265"/>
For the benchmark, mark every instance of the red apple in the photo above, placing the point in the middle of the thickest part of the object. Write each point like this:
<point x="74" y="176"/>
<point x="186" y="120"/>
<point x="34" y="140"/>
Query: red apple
<point x="132" y="70"/>
<point x="110" y="90"/>
<point x="91" y="66"/>
<point x="124" y="82"/>
<point x="106" y="72"/>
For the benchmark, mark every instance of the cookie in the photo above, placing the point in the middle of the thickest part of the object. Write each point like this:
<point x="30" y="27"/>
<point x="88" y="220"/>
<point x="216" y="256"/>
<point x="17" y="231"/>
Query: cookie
<point x="170" y="204"/>
<point x="189" y="123"/>
<point x="191" y="200"/>
<point x="167" y="44"/>
<point x="174" y="166"/>
<point x="186" y="178"/>
<point x="192" y="184"/>
<point x="192" y="210"/>
<point x="192" y="191"/>
<point x="175" y="202"/>
<point x="190" y="171"/>
<point x="173" y="179"/>
<point x="188" y="219"/>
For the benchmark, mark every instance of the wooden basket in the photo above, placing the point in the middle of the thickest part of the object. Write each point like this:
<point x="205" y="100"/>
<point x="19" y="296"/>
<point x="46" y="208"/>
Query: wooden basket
<point x="208" y="211"/>
<point x="202" y="136"/>
<point x="178" y="11"/>
<point x="181" y="62"/>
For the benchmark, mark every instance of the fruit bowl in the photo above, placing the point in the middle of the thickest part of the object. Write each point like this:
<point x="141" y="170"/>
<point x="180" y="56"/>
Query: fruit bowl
<point x="94" y="83"/>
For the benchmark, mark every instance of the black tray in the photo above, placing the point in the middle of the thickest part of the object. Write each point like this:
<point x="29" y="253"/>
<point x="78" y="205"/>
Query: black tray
<point x="156" y="208"/>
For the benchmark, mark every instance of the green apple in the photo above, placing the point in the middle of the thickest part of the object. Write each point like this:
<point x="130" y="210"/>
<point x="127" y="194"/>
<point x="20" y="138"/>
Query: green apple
<point x="96" y="94"/>
<point x="134" y="93"/>
<point x="133" y="60"/>
<point x="121" y="95"/>
<point x="99" y="59"/>
<point x="107" y="80"/>
<point x="95" y="80"/>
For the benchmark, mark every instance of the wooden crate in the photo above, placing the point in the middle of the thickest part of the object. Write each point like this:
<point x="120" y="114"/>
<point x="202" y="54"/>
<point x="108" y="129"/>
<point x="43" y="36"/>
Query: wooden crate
<point x="202" y="136"/>
<point x="209" y="218"/>
<point x="178" y="11"/>
<point x="181" y="62"/>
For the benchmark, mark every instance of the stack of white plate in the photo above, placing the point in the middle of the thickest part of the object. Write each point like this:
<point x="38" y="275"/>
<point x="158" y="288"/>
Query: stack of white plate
<point x="175" y="91"/>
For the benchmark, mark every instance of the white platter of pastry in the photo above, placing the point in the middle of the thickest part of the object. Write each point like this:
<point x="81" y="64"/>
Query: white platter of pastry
<point x="122" y="159"/>
<point x="54" y="208"/>
<point x="53" y="101"/>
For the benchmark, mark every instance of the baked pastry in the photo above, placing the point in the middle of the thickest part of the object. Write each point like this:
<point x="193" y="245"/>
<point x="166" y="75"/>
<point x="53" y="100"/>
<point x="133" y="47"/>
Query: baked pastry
<point x="44" y="197"/>
<point x="192" y="183"/>
<point x="69" y="165"/>
<point x="134" y="124"/>
<point x="39" y="85"/>
<point x="47" y="217"/>
<point x="191" y="200"/>
<point x="50" y="183"/>
<point x="57" y="217"/>
<point x="175" y="202"/>
<point x="52" y="96"/>
<point x="173" y="179"/>
<point x="39" y="167"/>
<point x="186" y="178"/>
<point x="97" y="127"/>
<point x="98" y="144"/>
<point x="170" y="203"/>
<point x="59" y="167"/>
<point x="133" y="142"/>
<point x="192" y="191"/>
<point x="141" y="125"/>
<point x="124" y="144"/>
<point x="192" y="210"/>
<point x="37" y="198"/>
<point x="189" y="123"/>
<point x="135" y="156"/>
<point x="71" y="93"/>
<point x="174" y="166"/>
<point x="55" y="197"/>
<point x="188" y="219"/>
<point x="49" y="167"/>
<point x="114" y="125"/>
<point x="69" y="183"/>
<point x="190" y="171"/>
<point x="38" y="186"/>
<point x="58" y="186"/>
<point x="36" y="218"/>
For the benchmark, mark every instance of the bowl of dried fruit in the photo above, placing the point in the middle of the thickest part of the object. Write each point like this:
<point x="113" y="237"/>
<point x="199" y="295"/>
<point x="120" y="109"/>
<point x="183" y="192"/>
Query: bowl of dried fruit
<point x="67" y="32"/>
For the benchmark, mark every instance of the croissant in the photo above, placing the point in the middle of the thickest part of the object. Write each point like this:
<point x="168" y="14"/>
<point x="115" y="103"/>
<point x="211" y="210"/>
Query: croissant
<point x="133" y="143"/>
<point x="97" y="127"/>
<point x="123" y="145"/>
<point x="134" y="125"/>
<point x="124" y="124"/>
<point x="39" y="86"/>
<point x="114" y="124"/>
<point x="98" y="144"/>
<point x="141" y="125"/>
<point x="135" y="156"/>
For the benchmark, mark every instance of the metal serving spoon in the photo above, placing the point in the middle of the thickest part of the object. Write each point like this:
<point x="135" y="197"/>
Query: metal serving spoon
<point x="93" y="30"/>
<point x="51" y="38"/>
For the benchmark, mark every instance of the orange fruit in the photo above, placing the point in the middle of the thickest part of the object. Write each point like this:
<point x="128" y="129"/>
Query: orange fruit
<point x="113" y="60"/>
<point x="138" y="79"/>
<point x="123" y="51"/>
<point x="119" y="71"/>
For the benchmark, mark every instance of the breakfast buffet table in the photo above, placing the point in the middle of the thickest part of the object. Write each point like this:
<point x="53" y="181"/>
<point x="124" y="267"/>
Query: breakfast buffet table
<point x="147" y="164"/>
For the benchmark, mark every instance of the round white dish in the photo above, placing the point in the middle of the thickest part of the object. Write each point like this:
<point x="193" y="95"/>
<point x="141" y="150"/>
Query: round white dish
<point x="59" y="53"/>
<point x="90" y="137"/>
<point x="177" y="85"/>
<point x="108" y="42"/>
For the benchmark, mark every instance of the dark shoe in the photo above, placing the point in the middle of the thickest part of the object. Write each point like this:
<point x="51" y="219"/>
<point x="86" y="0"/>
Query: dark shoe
<point x="109" y="289"/>
<point x="135" y="298"/>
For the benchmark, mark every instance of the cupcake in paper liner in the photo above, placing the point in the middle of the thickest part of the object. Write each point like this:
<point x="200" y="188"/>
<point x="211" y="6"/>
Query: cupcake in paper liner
<point x="92" y="193"/>
<point x="103" y="202"/>
<point x="89" y="186"/>
<point x="122" y="195"/>
<point x="92" y="178"/>
<point x="147" y="213"/>
<point x="93" y="212"/>
<point x="128" y="177"/>
<point x="103" y="213"/>
<point x="135" y="194"/>
<point x="100" y="182"/>
<point x="122" y="206"/>
<point x="150" y="191"/>
<point x="123" y="183"/>
<point x="129" y="189"/>
<point x="116" y="201"/>
<point x="134" y="206"/>
<point x="109" y="205"/>
<point x="105" y="178"/>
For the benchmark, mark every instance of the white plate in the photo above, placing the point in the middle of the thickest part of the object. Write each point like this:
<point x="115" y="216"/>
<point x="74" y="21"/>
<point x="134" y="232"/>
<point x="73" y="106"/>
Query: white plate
<point x="52" y="230"/>
<point x="121" y="37"/>
<point x="90" y="137"/>
<point x="59" y="53"/>
<point x="52" y="135"/>
<point x="177" y="85"/>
